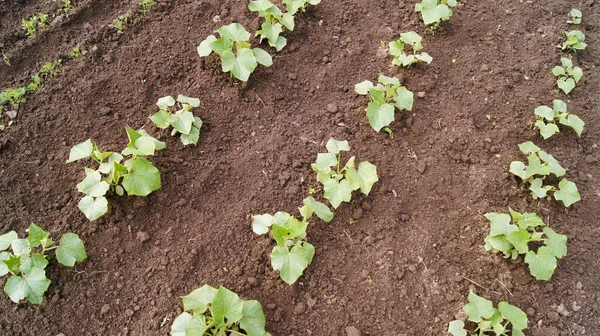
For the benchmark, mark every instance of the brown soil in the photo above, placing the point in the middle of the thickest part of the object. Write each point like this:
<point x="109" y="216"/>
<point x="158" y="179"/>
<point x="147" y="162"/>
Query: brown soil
<point x="402" y="267"/>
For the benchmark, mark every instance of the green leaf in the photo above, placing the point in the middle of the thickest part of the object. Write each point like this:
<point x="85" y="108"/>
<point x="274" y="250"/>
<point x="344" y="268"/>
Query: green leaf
<point x="546" y="130"/>
<point x="404" y="99"/>
<point x="142" y="179"/>
<point x="544" y="112"/>
<point x="478" y="308"/>
<point x="20" y="247"/>
<point x="36" y="260"/>
<point x="3" y="267"/>
<point x="566" y="84"/>
<point x="362" y="88"/>
<point x="577" y="73"/>
<point x="6" y="239"/>
<point x="559" y="106"/>
<point x="81" y="151"/>
<point x="457" y="328"/>
<point x="262" y="57"/>
<point x="396" y="48"/>
<point x="537" y="188"/>
<point x="36" y="235"/>
<point x="193" y="102"/>
<point x="364" y="177"/>
<point x="32" y="286"/>
<point x="13" y="264"/>
<point x="556" y="242"/>
<point x="204" y="49"/>
<point x="529" y="220"/>
<point x="188" y="325"/>
<point x="198" y="300"/>
<point x="143" y="144"/>
<point x="93" y="185"/>
<point x="290" y="229"/>
<point x="226" y="306"/>
<point x="500" y="224"/>
<point x="498" y="244"/>
<point x="516" y="316"/>
<point x="70" y="250"/>
<point x="528" y="147"/>
<point x="253" y="321"/>
<point x="424" y="57"/>
<point x="413" y="39"/>
<point x="321" y="210"/>
<point x="234" y="32"/>
<point x="292" y="263"/>
<point x="324" y="162"/>
<point x="191" y="138"/>
<point x="567" y="193"/>
<point x="380" y="115"/>
<point x="520" y="240"/>
<point x="241" y="66"/>
<point x="337" y="192"/>
<point x="574" y="122"/>
<point x="553" y="165"/>
<point x="93" y="208"/>
<point x="335" y="146"/>
<point x="164" y="103"/>
<point x="182" y="121"/>
<point x="566" y="62"/>
<point x="542" y="264"/>
<point x="161" y="118"/>
<point x="261" y="223"/>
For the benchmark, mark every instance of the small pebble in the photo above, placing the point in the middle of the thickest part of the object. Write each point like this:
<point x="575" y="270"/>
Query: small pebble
<point x="105" y="309"/>
<point x="332" y="108"/>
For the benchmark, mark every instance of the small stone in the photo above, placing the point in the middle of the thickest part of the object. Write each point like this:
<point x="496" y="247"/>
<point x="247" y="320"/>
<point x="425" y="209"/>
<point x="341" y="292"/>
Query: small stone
<point x="562" y="310"/>
<point x="325" y="59"/>
<point x="332" y="108"/>
<point x="422" y="166"/>
<point x="105" y="309"/>
<point x="252" y="281"/>
<point x="237" y="271"/>
<point x="129" y="312"/>
<point x="575" y="307"/>
<point x="579" y="285"/>
<point x="271" y="306"/>
<point x="142" y="236"/>
<point x="421" y="94"/>
<point x="300" y="308"/>
<point x="485" y="67"/>
<point x="12" y="114"/>
<point x="357" y="213"/>
<point x="352" y="331"/>
<point x="292" y="76"/>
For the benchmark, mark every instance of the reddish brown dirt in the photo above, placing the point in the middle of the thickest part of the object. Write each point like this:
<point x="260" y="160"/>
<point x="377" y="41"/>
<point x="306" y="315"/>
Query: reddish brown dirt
<point x="401" y="267"/>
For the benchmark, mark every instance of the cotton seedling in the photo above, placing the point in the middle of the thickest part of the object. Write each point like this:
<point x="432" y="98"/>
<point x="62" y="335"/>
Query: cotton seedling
<point x="128" y="171"/>
<point x="576" y="17"/>
<point x="183" y="120"/>
<point x="433" y="12"/>
<point x="292" y="254"/>
<point x="275" y="21"/>
<point x="567" y="75"/>
<point x="237" y="56"/>
<point x="574" y="42"/>
<point x="513" y="239"/>
<point x="218" y="312"/>
<point x="145" y="6"/>
<point x="27" y="262"/>
<point x="506" y="320"/>
<point x="549" y="117"/>
<point x="295" y="6"/>
<point x="401" y="58"/>
<point x="539" y="166"/>
<point x="385" y="97"/>
<point x="339" y="182"/>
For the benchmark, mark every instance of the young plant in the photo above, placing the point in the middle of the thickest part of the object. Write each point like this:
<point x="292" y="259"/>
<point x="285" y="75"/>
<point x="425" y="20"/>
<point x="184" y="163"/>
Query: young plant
<point x="401" y="58"/>
<point x="541" y="165"/>
<point x="340" y="182"/>
<point x="12" y="96"/>
<point x="67" y="6"/>
<point x="576" y="17"/>
<point x="30" y="26"/>
<point x="292" y="254"/>
<point x="575" y="41"/>
<point x="27" y="262"/>
<point x="145" y="6"/>
<point x="434" y="12"/>
<point x="295" y="6"/>
<point x="568" y="76"/>
<point x="128" y="171"/>
<point x="50" y="69"/>
<point x="75" y="53"/>
<point x="513" y="240"/>
<point x="183" y="121"/>
<point x="506" y="320"/>
<point x="43" y="20"/>
<point x="387" y="95"/>
<point x="274" y="22"/>
<point x="218" y="312"/>
<point x="120" y="22"/>
<point x="237" y="56"/>
<point x="548" y="117"/>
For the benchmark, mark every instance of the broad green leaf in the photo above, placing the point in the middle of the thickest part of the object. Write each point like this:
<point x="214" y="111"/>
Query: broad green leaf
<point x="324" y="162"/>
<point x="478" y="308"/>
<point x="520" y="240"/>
<point x="362" y="88"/>
<point x="132" y="135"/>
<point x="241" y="66"/>
<point x="93" y="185"/>
<point x="189" y="325"/>
<point x="36" y="260"/>
<point x="142" y="179"/>
<point x="385" y="80"/>
<point x="566" y="84"/>
<point x="3" y="268"/>
<point x="235" y="32"/>
<point x="519" y="169"/>
<point x="537" y="188"/>
<point x="553" y="165"/>
<point x="559" y="106"/>
<point x="292" y="263"/>
<point x="364" y="177"/>
<point x="253" y="321"/>
<point x="291" y="229"/>
<point x="13" y="263"/>
<point x="204" y="49"/>
<point x="270" y="31"/>
<point x="335" y="146"/>
<point x="321" y="210"/>
<point x="544" y="112"/>
<point x="287" y="20"/>
<point x="260" y="5"/>
<point x="164" y="103"/>
<point x="198" y="300"/>
<point x="558" y="71"/>
<point x="574" y="122"/>
<point x="567" y="193"/>
<point x="404" y="99"/>
<point x="337" y="192"/>
<point x="81" y="151"/>
<point x="262" y="57"/>
<point x="556" y="242"/>
<point x="413" y="39"/>
<point x="500" y="224"/>
<point x="20" y="247"/>
<point x="528" y="147"/>
<point x="546" y="130"/>
<point x="424" y="57"/>
<point x="498" y="244"/>
<point x="380" y="115"/>
<point x="396" y="48"/>
<point x="457" y="328"/>
<point x="181" y="121"/>
<point x="6" y="239"/>
<point x="32" y="286"/>
<point x="161" y="119"/>
<point x="193" y="102"/>
<point x="191" y="138"/>
<point x="535" y="166"/>
<point x="261" y="223"/>
<point x="577" y="73"/>
<point x="93" y="208"/>
<point x="221" y="46"/>
<point x="35" y="235"/>
<point x="144" y="144"/>
<point x="529" y="220"/>
<point x="70" y="250"/>
<point x="226" y="307"/>
<point x="566" y="62"/>
<point x="278" y="45"/>
<point x="542" y="264"/>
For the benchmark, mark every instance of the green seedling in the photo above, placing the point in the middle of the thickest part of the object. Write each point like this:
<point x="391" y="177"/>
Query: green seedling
<point x="43" y="20"/>
<point x="67" y="6"/>
<point x="237" y="56"/>
<point x="218" y="312"/>
<point x="275" y="21"/>
<point x="50" y="69"/>
<point x="568" y="76"/>
<point x="387" y="95"/>
<point x="6" y="59"/>
<point x="433" y="12"/>
<point x="128" y="171"/>
<point x="339" y="182"/>
<point x="401" y="58"/>
<point x="295" y="6"/>
<point x="75" y="53"/>
<point x="183" y="121"/>
<point x="292" y="254"/>
<point x="30" y="26"/>
<point x="549" y="117"/>
<point x="513" y="239"/>
<point x="120" y="22"/>
<point x="576" y="17"/>
<point x="27" y="262"/>
<point x="145" y="6"/>
<point x="541" y="165"/>
<point x="12" y="96"/>
<point x="506" y="320"/>
<point x="575" y="41"/>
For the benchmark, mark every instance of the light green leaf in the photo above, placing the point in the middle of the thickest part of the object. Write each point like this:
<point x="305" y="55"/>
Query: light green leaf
<point x="519" y="169"/>
<point x="396" y="48"/>
<point x="566" y="62"/>
<point x="36" y="260"/>
<point x="516" y="316"/>
<point x="567" y="193"/>
<point x="235" y="32"/>
<point x="193" y="102"/>
<point x="81" y="151"/>
<point x="553" y="165"/>
<point x="32" y="286"/>
<point x="574" y="122"/>
<point x="6" y="239"/>
<point x="70" y="250"/>
<point x="181" y="121"/>
<point x="241" y="66"/>
<point x="337" y="192"/>
<point x="457" y="328"/>
<point x="546" y="130"/>
<point x="3" y="267"/>
<point x="380" y="115"/>
<point x="188" y="325"/>
<point x="292" y="263"/>
<point x="544" y="112"/>
<point x="164" y="103"/>
<point x="528" y="147"/>
<point x="93" y="208"/>
<point x="204" y="49"/>
<point x="566" y="84"/>
<point x="226" y="307"/>
<point x="198" y="300"/>
<point x="261" y="223"/>
<point x="520" y="240"/>
<point x="404" y="99"/>
<point x="20" y="247"/>
<point x="253" y="321"/>
<point x="529" y="220"/>
<point x="161" y="119"/>
<point x="559" y="106"/>
<point x="13" y="264"/>
<point x="321" y="210"/>
<point x="556" y="242"/>
<point x="364" y="177"/>
<point x="542" y="264"/>
<point x="291" y="229"/>
<point x="498" y="244"/>
<point x="500" y="224"/>
<point x="362" y="88"/>
<point x="191" y="138"/>
<point x="537" y="188"/>
<point x="424" y="57"/>
<point x="324" y="162"/>
<point x="262" y="57"/>
<point x="577" y="73"/>
<point x="335" y="146"/>
<point x="35" y="235"/>
<point x="478" y="308"/>
<point x="142" y="179"/>
<point x="413" y="39"/>
<point x="93" y="185"/>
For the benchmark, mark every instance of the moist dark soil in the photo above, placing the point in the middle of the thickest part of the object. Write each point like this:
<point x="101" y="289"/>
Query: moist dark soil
<point x="398" y="262"/>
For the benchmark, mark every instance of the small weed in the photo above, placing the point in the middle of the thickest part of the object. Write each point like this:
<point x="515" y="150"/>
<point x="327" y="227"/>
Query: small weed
<point x="145" y="6"/>
<point x="75" y="53"/>
<point x="120" y="22"/>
